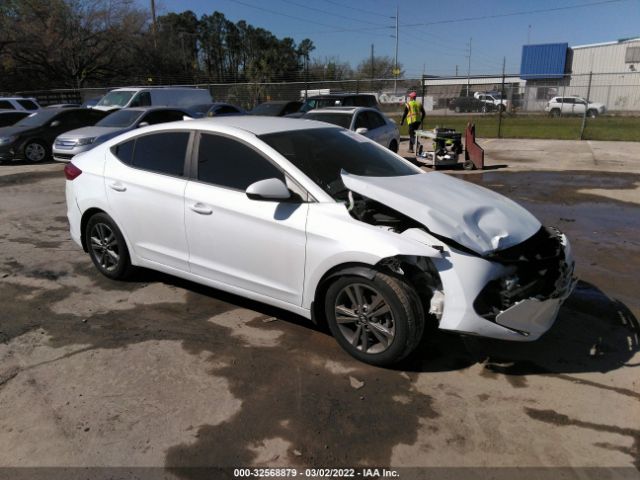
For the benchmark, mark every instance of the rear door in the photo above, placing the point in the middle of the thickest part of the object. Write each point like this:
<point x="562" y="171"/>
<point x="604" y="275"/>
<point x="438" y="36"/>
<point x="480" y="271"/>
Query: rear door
<point x="252" y="245"/>
<point x="145" y="184"/>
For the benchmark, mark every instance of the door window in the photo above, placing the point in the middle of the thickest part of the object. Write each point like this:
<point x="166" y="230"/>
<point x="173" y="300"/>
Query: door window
<point x="162" y="116"/>
<point x="362" y="121"/>
<point x="375" y="120"/>
<point x="228" y="163"/>
<point x="161" y="152"/>
<point x="6" y="104"/>
<point x="28" y="104"/>
<point x="143" y="99"/>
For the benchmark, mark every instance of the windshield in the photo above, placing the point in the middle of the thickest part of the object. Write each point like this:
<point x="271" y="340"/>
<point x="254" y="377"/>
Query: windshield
<point x="121" y="118"/>
<point x="37" y="119"/>
<point x="340" y="119"/>
<point x="268" y="109"/>
<point x="321" y="153"/>
<point x="116" y="99"/>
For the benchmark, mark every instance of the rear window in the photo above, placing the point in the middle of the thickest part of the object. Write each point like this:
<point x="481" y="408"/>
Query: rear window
<point x="28" y="104"/>
<point x="163" y="152"/>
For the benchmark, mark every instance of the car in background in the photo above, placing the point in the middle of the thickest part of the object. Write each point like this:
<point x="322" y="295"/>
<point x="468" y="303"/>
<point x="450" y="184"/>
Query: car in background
<point x="337" y="100"/>
<point x="573" y="105"/>
<point x="214" y="109"/>
<point x="493" y="98"/>
<point x="9" y="117"/>
<point x="342" y="231"/>
<point x="90" y="103"/>
<point x="276" y="108"/>
<point x="130" y="97"/>
<point x="31" y="138"/>
<point x="19" y="103"/>
<point x="470" y="104"/>
<point x="64" y="105"/>
<point x="364" y="121"/>
<point x="73" y="142"/>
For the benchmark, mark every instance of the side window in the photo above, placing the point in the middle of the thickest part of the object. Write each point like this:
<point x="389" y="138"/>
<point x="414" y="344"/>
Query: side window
<point x="161" y="152"/>
<point x="291" y="108"/>
<point x="7" y="105"/>
<point x="142" y="99"/>
<point x="348" y="102"/>
<point x="124" y="151"/>
<point x="362" y="121"/>
<point x="228" y="163"/>
<point x="375" y="120"/>
<point x="226" y="110"/>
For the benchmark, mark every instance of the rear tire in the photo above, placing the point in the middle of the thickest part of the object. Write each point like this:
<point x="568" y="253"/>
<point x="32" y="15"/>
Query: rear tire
<point x="468" y="165"/>
<point x="377" y="321"/>
<point x="393" y="146"/>
<point x="35" y="151"/>
<point x="592" y="113"/>
<point x="107" y="247"/>
<point x="555" y="113"/>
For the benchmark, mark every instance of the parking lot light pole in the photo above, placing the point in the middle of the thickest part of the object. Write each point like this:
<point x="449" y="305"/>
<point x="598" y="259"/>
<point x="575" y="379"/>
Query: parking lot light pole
<point x="501" y="106"/>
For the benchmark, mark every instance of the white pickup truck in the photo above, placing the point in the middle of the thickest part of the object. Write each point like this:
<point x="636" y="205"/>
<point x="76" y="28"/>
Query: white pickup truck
<point x="494" y="99"/>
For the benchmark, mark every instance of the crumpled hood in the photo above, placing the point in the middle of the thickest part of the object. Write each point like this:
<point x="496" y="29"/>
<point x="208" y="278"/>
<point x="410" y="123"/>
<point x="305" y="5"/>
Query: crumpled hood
<point x="468" y="214"/>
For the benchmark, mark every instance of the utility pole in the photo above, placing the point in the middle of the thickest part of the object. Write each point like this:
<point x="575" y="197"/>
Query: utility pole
<point x="529" y="36"/>
<point x="586" y="107"/>
<point x="502" y="106"/>
<point x="469" y="69"/>
<point x="372" y="67"/>
<point x="154" y="27"/>
<point x="456" y="70"/>
<point x="395" y="68"/>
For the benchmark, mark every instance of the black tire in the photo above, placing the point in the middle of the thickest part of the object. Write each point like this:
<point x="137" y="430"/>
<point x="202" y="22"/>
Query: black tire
<point x="393" y="146"/>
<point x="36" y="151"/>
<point x="107" y="247"/>
<point x="468" y="165"/>
<point x="458" y="109"/>
<point x="555" y="112"/>
<point x="484" y="109"/>
<point x="592" y="113"/>
<point x="501" y="108"/>
<point x="398" y="330"/>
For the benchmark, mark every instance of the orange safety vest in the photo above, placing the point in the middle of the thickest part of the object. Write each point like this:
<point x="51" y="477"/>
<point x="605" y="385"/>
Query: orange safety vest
<point x="413" y="111"/>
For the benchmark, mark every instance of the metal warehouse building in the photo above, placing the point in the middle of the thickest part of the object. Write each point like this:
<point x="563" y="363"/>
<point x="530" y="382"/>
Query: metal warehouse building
<point x="608" y="73"/>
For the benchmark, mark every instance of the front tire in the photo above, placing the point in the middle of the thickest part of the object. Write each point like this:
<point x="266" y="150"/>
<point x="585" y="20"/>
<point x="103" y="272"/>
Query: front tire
<point x="35" y="151"/>
<point x="592" y="113"/>
<point x="107" y="247"/>
<point x="555" y="113"/>
<point x="378" y="321"/>
<point x="393" y="146"/>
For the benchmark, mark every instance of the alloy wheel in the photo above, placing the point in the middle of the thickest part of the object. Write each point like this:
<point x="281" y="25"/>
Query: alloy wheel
<point x="104" y="247"/>
<point x="364" y="318"/>
<point x="35" y="152"/>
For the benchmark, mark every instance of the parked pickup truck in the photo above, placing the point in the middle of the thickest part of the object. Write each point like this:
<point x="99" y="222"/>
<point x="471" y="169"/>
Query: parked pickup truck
<point x="494" y="99"/>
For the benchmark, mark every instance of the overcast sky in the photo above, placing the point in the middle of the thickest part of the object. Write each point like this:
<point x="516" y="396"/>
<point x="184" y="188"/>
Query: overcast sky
<point x="434" y="34"/>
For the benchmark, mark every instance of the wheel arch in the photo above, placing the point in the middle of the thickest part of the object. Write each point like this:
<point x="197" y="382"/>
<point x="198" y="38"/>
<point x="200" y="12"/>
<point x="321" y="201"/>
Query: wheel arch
<point x="90" y="212"/>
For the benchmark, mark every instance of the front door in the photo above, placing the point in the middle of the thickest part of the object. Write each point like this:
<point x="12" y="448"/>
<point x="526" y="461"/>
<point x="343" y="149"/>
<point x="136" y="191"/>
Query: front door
<point x="251" y="245"/>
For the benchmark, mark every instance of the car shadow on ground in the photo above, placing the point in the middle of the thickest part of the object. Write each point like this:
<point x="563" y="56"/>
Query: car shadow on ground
<point x="593" y="333"/>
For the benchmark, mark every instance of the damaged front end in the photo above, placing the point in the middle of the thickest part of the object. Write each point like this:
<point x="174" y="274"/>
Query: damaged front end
<point x="539" y="277"/>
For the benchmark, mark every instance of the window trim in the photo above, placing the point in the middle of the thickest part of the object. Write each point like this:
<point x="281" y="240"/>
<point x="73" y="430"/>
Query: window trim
<point x="193" y="164"/>
<point x="187" y="155"/>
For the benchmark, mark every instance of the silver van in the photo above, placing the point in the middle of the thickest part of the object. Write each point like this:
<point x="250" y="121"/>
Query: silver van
<point x="129" y="97"/>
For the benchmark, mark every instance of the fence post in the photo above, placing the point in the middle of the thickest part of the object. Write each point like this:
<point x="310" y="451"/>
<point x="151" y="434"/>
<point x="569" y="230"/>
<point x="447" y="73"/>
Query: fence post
<point x="502" y="106"/>
<point x="586" y="108"/>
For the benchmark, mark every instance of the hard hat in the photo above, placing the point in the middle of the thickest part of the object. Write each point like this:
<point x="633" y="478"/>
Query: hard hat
<point x="413" y="95"/>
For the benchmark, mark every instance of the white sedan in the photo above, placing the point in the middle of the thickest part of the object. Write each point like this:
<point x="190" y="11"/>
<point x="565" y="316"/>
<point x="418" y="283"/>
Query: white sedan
<point x="365" y="121"/>
<point x="323" y="222"/>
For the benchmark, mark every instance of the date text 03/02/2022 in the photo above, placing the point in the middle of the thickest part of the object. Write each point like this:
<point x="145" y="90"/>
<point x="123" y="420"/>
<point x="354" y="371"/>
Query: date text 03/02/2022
<point x="316" y="473"/>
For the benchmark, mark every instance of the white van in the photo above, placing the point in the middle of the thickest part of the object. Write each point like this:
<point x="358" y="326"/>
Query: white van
<point x="128" y="97"/>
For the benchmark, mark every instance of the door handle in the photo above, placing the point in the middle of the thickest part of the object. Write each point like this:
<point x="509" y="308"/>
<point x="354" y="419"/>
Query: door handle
<point x="201" y="208"/>
<point x="117" y="186"/>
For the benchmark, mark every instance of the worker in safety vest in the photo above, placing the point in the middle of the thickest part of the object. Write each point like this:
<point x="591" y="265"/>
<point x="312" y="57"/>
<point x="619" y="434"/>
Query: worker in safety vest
<point x="414" y="113"/>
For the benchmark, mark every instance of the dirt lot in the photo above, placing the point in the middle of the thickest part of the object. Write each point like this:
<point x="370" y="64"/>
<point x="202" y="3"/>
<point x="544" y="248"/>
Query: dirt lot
<point x="161" y="372"/>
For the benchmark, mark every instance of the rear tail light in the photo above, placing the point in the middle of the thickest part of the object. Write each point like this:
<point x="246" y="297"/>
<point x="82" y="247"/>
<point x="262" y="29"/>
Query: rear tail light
<point x="71" y="171"/>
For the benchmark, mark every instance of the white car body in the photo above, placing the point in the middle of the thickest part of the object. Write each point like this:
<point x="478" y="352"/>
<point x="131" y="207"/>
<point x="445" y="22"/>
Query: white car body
<point x="24" y="104"/>
<point x="572" y="105"/>
<point x="281" y="253"/>
<point x="369" y="122"/>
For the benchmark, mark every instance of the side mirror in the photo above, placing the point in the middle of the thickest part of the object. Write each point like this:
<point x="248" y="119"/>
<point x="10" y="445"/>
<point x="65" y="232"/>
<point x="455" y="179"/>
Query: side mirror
<point x="143" y="124"/>
<point x="271" y="189"/>
<point x="362" y="130"/>
<point x="55" y="123"/>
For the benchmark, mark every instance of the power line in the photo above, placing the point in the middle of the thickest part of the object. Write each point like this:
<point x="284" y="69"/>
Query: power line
<point x="513" y="14"/>
<point x="361" y="10"/>
<point x="333" y="14"/>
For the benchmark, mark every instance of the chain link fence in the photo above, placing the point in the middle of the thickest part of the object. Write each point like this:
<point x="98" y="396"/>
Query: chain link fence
<point x="500" y="105"/>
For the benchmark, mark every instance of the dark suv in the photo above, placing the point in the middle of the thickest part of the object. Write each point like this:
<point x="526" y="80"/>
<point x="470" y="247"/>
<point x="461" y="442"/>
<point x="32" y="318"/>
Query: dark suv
<point x="337" y="100"/>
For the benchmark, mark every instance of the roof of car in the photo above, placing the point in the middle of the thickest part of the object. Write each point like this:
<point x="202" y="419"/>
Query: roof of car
<point x="342" y="95"/>
<point x="258" y="125"/>
<point x="345" y="110"/>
